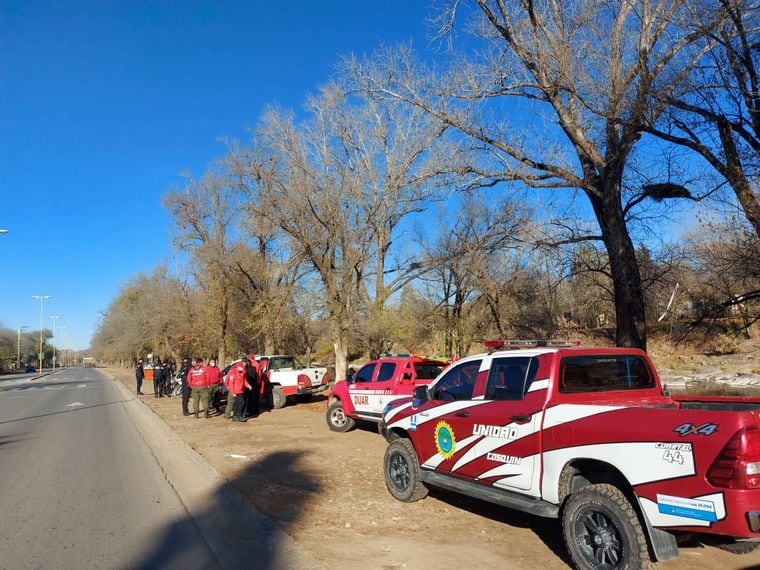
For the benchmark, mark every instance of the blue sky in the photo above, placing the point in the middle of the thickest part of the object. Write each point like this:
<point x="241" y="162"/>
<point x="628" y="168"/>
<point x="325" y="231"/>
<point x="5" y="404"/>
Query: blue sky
<point x="105" y="105"/>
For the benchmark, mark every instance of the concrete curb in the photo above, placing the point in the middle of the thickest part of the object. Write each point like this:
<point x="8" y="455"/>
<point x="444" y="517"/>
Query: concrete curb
<point x="239" y="536"/>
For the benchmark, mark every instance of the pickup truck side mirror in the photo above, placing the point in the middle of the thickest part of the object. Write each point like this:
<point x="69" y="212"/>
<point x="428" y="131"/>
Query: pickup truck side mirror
<point x="420" y="395"/>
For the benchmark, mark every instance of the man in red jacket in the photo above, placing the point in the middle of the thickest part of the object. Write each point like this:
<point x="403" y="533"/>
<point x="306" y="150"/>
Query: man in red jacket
<point x="236" y="384"/>
<point x="214" y="378"/>
<point x="197" y="380"/>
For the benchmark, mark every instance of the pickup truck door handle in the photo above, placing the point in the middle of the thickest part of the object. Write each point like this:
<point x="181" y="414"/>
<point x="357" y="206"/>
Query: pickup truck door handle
<point x="463" y="414"/>
<point x="521" y="418"/>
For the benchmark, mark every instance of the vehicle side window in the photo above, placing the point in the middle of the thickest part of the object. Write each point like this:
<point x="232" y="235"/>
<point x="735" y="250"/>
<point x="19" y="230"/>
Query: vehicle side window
<point x="604" y="373"/>
<point x="281" y="363"/>
<point x="427" y="371"/>
<point x="365" y="373"/>
<point x="458" y="383"/>
<point x="509" y="378"/>
<point x="387" y="370"/>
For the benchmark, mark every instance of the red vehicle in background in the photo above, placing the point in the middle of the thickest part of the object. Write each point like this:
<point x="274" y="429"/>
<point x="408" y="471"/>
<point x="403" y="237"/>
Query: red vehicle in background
<point x="377" y="383"/>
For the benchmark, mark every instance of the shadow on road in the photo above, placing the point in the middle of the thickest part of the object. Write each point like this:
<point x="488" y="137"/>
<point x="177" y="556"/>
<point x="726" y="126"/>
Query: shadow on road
<point x="69" y="411"/>
<point x="12" y="438"/>
<point x="243" y="537"/>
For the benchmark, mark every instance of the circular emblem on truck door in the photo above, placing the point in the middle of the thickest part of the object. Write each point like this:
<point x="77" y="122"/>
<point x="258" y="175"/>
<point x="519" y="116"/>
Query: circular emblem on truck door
<point x="445" y="440"/>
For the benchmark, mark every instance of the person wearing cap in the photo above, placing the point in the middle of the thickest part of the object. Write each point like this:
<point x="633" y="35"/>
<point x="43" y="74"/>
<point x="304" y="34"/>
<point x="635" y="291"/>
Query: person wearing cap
<point x="184" y="368"/>
<point x="139" y="375"/>
<point x="237" y="382"/>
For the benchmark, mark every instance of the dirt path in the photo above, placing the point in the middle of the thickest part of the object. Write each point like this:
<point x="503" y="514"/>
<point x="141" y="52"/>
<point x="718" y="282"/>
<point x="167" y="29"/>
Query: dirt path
<point x="327" y="491"/>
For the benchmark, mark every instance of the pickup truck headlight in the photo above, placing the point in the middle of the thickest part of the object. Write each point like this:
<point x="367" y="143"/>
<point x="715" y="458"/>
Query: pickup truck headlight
<point x="387" y="408"/>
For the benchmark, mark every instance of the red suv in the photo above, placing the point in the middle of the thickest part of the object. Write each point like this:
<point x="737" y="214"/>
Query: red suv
<point x="377" y="383"/>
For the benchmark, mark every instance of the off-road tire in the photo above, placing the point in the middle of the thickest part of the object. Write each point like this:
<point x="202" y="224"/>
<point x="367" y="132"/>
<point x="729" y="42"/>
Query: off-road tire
<point x="336" y="417"/>
<point x="279" y="399"/>
<point x="402" y="471"/>
<point x="739" y="547"/>
<point x="602" y="530"/>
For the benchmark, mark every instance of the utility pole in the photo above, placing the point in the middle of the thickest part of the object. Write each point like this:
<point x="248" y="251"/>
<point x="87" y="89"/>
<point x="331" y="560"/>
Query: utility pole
<point x="55" y="336"/>
<point x="41" y="299"/>
<point x="18" y="346"/>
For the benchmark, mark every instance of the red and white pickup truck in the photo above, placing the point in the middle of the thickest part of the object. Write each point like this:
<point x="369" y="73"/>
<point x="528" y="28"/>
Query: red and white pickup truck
<point x="286" y="379"/>
<point x="377" y="383"/>
<point x="586" y="435"/>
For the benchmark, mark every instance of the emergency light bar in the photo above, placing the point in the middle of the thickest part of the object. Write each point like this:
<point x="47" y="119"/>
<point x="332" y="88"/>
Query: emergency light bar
<point x="514" y="344"/>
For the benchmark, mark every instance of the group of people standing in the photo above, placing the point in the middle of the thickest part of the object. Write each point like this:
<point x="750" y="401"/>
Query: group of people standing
<point x="162" y="373"/>
<point x="246" y="382"/>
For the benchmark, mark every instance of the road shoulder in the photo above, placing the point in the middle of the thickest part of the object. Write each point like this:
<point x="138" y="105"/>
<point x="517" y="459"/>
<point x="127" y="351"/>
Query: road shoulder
<point x="238" y="536"/>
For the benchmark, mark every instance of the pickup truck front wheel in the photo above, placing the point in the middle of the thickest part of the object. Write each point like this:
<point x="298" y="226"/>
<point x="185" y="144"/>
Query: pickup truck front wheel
<point x="402" y="471"/>
<point x="602" y="530"/>
<point x="337" y="420"/>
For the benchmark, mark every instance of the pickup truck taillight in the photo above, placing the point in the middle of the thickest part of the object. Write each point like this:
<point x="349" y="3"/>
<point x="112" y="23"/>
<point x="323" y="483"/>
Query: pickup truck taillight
<point x="738" y="464"/>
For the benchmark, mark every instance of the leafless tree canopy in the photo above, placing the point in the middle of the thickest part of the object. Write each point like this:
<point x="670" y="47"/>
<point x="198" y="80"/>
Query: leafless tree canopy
<point x="517" y="186"/>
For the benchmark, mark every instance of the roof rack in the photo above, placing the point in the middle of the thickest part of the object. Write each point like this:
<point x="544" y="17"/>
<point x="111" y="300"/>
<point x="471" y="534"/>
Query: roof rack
<point x="431" y="357"/>
<point x="515" y="344"/>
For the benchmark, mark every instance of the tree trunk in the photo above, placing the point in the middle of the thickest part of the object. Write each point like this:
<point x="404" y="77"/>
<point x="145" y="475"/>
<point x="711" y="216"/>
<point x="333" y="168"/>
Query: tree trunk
<point x="734" y="172"/>
<point x="630" y="320"/>
<point x="269" y="343"/>
<point x="340" y="347"/>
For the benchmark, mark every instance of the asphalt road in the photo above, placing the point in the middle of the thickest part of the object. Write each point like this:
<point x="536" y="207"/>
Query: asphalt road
<point x="79" y="487"/>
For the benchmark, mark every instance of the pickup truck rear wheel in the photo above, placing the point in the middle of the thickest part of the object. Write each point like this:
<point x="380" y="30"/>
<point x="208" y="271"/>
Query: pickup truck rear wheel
<point x="279" y="399"/>
<point x="337" y="420"/>
<point x="402" y="471"/>
<point x="602" y="530"/>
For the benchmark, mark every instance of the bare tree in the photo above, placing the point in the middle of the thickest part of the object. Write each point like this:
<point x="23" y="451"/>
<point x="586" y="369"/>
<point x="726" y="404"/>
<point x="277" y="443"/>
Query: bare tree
<point x="205" y="213"/>
<point x="716" y="112"/>
<point x="464" y="258"/>
<point x="590" y="66"/>
<point x="339" y="185"/>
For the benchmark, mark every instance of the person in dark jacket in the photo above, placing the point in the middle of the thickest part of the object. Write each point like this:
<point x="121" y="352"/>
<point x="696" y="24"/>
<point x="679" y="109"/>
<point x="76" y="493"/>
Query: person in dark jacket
<point x="184" y="368"/>
<point x="139" y="375"/>
<point x="158" y="378"/>
<point x="169" y="369"/>
<point x="252" y="394"/>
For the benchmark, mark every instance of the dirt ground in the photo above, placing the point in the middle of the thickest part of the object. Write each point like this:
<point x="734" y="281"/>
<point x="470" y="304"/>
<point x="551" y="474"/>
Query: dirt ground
<point x="327" y="491"/>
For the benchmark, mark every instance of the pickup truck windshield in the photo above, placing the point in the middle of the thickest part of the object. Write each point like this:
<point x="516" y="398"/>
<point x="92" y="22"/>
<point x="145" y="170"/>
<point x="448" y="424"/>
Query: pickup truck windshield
<point x="604" y="373"/>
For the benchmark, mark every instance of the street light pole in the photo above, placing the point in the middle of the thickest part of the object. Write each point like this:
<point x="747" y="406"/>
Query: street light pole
<point x="18" y="346"/>
<point x="55" y="336"/>
<point x="41" y="299"/>
<point x="63" y="340"/>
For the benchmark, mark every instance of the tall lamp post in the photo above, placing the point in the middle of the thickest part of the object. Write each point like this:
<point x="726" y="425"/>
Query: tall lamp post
<point x="18" y="345"/>
<point x="63" y="340"/>
<point x="41" y="299"/>
<point x="55" y="335"/>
